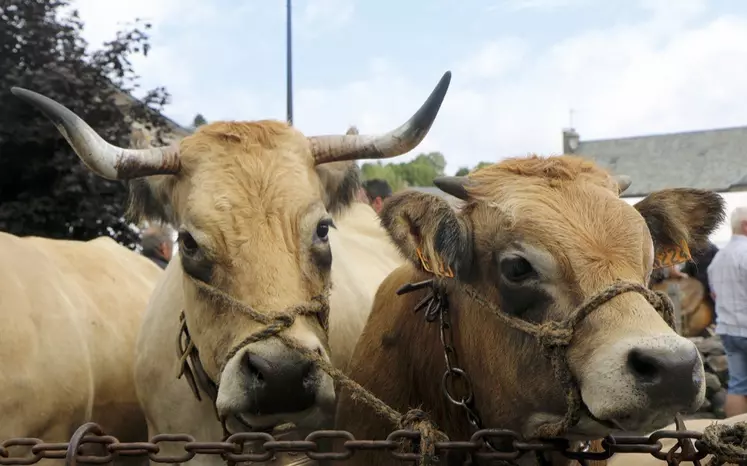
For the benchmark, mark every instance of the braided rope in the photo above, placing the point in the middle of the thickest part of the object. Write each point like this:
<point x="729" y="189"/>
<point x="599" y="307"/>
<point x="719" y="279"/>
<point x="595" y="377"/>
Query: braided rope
<point x="554" y="338"/>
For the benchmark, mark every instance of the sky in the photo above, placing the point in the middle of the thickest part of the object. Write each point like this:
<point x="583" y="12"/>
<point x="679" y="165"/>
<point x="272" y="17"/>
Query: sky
<point x="522" y="70"/>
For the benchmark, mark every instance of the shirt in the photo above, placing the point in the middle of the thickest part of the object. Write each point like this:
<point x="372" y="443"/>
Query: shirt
<point x="727" y="276"/>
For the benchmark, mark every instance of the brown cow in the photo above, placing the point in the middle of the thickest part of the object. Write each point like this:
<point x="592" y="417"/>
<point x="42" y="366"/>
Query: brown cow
<point x="254" y="203"/>
<point x="534" y="239"/>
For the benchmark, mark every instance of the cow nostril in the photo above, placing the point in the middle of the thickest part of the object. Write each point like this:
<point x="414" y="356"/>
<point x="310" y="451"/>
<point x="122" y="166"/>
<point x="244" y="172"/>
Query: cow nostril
<point x="254" y="365"/>
<point x="644" y="366"/>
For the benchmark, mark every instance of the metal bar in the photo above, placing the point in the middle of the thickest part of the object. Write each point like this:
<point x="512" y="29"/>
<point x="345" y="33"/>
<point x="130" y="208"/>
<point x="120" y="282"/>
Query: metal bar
<point x="289" y="66"/>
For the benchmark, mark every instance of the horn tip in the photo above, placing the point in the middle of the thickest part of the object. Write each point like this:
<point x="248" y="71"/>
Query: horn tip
<point x="26" y="94"/>
<point x="18" y="91"/>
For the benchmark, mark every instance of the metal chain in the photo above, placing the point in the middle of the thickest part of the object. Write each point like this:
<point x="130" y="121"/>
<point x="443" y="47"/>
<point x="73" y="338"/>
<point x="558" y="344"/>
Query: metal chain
<point x="454" y="373"/>
<point x="267" y="446"/>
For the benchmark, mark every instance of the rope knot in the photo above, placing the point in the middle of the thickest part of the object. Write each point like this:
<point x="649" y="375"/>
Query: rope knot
<point x="552" y="335"/>
<point x="418" y="420"/>
<point x="284" y="320"/>
<point x="727" y="443"/>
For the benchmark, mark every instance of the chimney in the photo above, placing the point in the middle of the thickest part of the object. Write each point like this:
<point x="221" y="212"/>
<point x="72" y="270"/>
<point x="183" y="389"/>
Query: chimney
<point x="570" y="141"/>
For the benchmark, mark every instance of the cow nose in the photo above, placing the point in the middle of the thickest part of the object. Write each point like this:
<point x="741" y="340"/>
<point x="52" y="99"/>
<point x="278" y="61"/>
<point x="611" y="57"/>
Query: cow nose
<point x="667" y="376"/>
<point x="283" y="382"/>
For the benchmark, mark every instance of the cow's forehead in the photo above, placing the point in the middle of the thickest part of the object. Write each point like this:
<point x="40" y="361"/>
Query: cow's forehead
<point x="581" y="220"/>
<point x="246" y="171"/>
<point x="574" y="214"/>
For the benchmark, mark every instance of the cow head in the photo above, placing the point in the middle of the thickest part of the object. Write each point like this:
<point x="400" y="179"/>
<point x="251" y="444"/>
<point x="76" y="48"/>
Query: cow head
<point x="536" y="237"/>
<point x="253" y="204"/>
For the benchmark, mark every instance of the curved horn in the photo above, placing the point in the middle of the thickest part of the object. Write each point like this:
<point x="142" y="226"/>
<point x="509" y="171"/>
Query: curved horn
<point x="104" y="159"/>
<point x="454" y="185"/>
<point x="623" y="182"/>
<point x="326" y="149"/>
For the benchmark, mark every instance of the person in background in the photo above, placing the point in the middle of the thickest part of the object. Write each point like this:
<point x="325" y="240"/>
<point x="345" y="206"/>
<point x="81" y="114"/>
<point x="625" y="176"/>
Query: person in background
<point x="727" y="276"/>
<point x="697" y="268"/>
<point x="377" y="190"/>
<point x="157" y="245"/>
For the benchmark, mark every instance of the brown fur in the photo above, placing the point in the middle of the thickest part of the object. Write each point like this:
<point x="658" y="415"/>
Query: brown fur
<point x="566" y="214"/>
<point x="674" y="215"/>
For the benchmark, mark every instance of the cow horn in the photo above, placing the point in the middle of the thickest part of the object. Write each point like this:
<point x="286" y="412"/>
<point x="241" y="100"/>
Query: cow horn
<point x="454" y="185"/>
<point x="623" y="182"/>
<point x="338" y="148"/>
<point x="104" y="159"/>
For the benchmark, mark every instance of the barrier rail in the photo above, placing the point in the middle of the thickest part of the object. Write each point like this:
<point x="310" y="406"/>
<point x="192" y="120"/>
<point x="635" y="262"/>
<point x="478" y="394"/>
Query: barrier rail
<point x="690" y="446"/>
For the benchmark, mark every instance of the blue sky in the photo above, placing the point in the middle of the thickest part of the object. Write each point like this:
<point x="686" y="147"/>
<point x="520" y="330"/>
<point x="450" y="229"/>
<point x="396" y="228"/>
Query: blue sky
<point x="519" y="66"/>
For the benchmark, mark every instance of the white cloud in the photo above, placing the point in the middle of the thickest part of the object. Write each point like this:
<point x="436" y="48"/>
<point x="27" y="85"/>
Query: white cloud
<point x="495" y="59"/>
<point x="672" y="70"/>
<point x="655" y="76"/>
<point x="104" y="18"/>
<point x="327" y="13"/>
<point x="516" y="5"/>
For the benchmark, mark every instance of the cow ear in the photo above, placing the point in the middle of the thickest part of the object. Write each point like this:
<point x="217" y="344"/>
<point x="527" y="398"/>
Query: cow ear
<point x="680" y="221"/>
<point x="340" y="184"/>
<point x="428" y="232"/>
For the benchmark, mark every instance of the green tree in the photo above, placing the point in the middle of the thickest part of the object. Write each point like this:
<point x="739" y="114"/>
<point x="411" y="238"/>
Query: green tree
<point x="199" y="120"/>
<point x="463" y="171"/>
<point x="419" y="172"/>
<point x="44" y="188"/>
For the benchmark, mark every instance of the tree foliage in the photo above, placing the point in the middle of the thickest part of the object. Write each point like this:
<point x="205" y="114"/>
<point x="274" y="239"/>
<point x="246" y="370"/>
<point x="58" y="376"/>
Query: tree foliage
<point x="465" y="170"/>
<point x="419" y="172"/>
<point x="44" y="188"/>
<point x="199" y="120"/>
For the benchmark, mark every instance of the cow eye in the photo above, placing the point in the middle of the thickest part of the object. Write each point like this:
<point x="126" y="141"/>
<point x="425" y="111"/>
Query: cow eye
<point x="322" y="230"/>
<point x="187" y="243"/>
<point x="516" y="269"/>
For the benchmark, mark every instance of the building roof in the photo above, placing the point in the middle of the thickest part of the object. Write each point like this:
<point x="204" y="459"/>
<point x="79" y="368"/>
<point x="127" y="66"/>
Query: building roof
<point x="710" y="159"/>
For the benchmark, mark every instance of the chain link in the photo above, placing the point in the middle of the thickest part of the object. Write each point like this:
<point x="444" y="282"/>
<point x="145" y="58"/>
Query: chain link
<point x="264" y="447"/>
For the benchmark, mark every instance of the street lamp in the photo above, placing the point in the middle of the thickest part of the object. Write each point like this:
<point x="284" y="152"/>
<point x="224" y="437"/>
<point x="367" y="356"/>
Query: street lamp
<point x="289" y="67"/>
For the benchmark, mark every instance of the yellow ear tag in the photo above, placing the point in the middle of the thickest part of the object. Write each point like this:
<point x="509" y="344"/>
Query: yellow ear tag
<point x="441" y="269"/>
<point x="672" y="256"/>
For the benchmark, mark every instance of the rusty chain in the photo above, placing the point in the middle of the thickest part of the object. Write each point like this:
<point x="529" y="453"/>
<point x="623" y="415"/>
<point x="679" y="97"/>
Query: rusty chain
<point x="232" y="449"/>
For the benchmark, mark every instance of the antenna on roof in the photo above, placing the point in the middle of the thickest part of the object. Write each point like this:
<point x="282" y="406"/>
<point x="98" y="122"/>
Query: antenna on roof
<point x="570" y="117"/>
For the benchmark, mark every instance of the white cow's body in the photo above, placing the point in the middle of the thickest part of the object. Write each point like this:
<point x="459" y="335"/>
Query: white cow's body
<point x="70" y="313"/>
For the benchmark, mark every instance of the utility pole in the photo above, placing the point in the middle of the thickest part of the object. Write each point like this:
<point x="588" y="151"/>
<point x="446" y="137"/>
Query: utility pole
<point x="289" y="67"/>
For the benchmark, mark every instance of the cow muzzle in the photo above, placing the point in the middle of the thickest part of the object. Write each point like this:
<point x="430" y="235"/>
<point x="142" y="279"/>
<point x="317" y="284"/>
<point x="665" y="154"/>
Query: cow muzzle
<point x="640" y="383"/>
<point x="266" y="383"/>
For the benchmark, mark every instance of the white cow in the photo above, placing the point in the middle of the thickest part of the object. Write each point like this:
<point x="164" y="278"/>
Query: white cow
<point x="70" y="313"/>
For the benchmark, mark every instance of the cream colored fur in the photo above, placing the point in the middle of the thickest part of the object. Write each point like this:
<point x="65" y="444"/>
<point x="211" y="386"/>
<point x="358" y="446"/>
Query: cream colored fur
<point x="70" y="313"/>
<point x="362" y="256"/>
